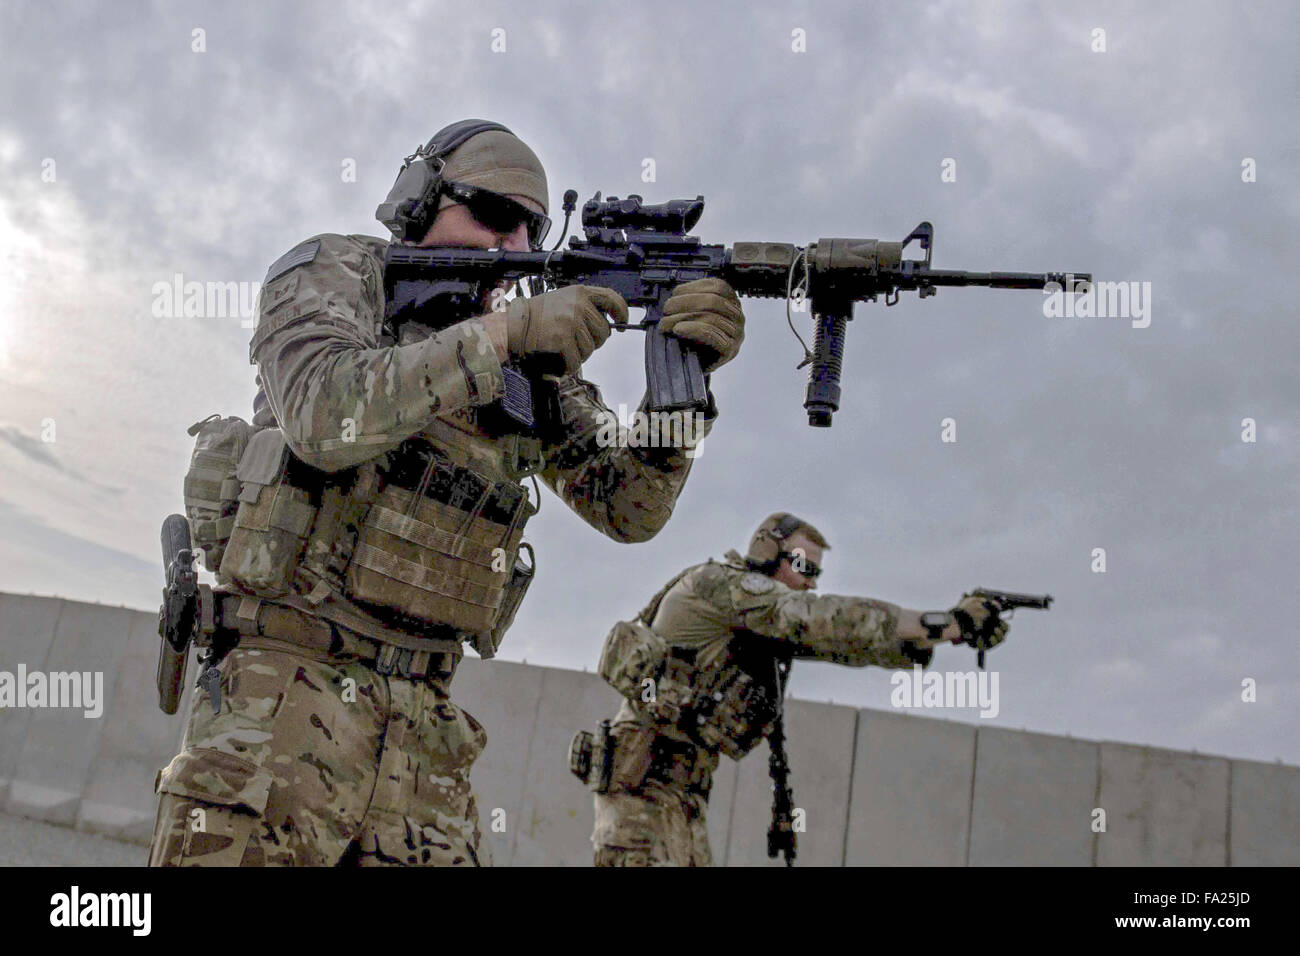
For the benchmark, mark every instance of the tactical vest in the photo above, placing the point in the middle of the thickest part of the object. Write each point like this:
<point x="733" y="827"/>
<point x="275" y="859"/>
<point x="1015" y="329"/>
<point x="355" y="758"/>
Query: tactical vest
<point x="725" y="709"/>
<point x="420" y="547"/>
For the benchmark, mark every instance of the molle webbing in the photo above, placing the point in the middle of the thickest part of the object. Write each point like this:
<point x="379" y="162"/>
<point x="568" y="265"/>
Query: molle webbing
<point x="385" y="518"/>
<point x="417" y="463"/>
<point x="211" y="488"/>
<point x="731" y="707"/>
<point x="433" y="581"/>
<point x="437" y="545"/>
<point x="286" y="512"/>
<point x="409" y="549"/>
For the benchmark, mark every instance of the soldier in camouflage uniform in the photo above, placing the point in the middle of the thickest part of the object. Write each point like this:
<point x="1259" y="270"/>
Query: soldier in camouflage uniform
<point x="378" y="525"/>
<point x="703" y="669"/>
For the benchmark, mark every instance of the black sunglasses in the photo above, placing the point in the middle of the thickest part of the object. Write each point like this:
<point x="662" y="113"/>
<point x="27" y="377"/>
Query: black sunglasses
<point x="499" y="213"/>
<point x="801" y="565"/>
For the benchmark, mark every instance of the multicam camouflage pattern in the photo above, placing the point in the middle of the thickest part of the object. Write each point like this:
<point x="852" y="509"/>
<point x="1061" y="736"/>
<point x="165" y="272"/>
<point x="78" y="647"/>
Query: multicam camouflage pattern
<point x="297" y="769"/>
<point x="658" y="825"/>
<point x="288" y="772"/>
<point x="211" y="488"/>
<point x="703" y="611"/>
<point x="341" y="399"/>
<point x="716" y="599"/>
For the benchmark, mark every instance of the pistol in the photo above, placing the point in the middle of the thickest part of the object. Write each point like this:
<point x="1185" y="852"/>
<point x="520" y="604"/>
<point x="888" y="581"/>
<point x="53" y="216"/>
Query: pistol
<point x="1005" y="601"/>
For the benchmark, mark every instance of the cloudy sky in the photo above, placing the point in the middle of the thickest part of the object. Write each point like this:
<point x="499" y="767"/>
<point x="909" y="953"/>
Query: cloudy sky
<point x="133" y="149"/>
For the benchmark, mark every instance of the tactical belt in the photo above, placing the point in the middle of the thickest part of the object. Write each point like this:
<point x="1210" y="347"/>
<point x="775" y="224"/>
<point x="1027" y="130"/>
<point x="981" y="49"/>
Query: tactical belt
<point x="259" y="623"/>
<point x="681" y="764"/>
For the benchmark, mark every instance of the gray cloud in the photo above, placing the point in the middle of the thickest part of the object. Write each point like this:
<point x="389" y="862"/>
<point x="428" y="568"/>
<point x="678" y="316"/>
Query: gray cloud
<point x="30" y="446"/>
<point x="1073" y="434"/>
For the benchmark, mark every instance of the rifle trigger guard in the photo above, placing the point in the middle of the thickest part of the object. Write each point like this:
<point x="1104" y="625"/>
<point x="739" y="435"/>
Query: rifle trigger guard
<point x="894" y="300"/>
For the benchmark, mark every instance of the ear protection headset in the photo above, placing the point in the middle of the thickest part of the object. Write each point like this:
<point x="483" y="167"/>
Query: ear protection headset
<point x="413" y="201"/>
<point x="765" y="549"/>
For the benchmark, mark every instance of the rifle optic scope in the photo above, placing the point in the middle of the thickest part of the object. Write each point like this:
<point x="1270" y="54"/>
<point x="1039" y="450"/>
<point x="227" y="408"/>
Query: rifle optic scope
<point x="676" y="215"/>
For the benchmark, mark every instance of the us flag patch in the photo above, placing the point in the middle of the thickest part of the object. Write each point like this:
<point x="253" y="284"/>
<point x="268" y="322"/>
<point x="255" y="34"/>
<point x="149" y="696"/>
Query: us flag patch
<point x="297" y="256"/>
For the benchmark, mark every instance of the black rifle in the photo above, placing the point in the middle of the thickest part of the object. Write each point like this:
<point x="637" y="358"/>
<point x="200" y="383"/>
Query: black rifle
<point x="1004" y="601"/>
<point x="780" y="833"/>
<point x="642" y="252"/>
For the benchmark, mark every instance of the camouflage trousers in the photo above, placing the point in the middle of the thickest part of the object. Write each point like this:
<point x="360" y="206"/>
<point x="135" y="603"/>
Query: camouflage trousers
<point x="658" y="824"/>
<point x="314" y="761"/>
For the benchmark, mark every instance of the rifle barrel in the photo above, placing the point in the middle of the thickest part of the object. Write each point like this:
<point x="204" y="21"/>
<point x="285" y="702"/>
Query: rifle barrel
<point x="1001" y="280"/>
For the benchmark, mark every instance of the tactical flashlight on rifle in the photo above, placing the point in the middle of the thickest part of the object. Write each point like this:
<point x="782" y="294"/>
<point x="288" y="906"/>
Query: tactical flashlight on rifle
<point x="642" y="252"/>
<point x="1003" y="601"/>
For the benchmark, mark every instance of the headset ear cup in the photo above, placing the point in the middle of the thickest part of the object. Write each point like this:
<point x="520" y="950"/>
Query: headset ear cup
<point x="405" y="211"/>
<point x="412" y="203"/>
<point x="765" y="548"/>
<point x="765" y="545"/>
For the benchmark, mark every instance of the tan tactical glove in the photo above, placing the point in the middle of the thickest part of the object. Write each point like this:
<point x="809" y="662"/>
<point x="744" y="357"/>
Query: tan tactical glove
<point x="568" y="322"/>
<point x="707" y="314"/>
<point x="981" y="627"/>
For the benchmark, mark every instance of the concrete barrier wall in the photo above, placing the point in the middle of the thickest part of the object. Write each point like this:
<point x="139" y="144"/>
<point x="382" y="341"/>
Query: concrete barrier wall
<point x="1031" y="801"/>
<point x="874" y="787"/>
<point x="911" y="798"/>
<point x="27" y="626"/>
<point x="1162" y="805"/>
